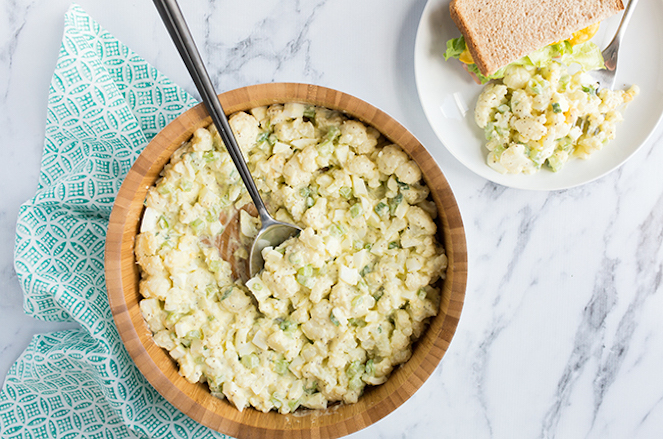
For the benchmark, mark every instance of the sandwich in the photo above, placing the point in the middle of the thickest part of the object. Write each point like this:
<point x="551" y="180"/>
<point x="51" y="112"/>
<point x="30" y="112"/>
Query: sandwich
<point x="498" y="33"/>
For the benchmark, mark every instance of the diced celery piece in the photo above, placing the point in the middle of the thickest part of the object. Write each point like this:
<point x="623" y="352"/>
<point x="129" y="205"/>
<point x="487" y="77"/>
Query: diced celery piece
<point x="325" y="148"/>
<point x="312" y="388"/>
<point x="209" y="156"/>
<point x="356" y="322"/>
<point x="168" y="244"/>
<point x="191" y="158"/>
<point x="333" y="133"/>
<point x="370" y="367"/>
<point x="287" y="325"/>
<point x="488" y="130"/>
<point x="295" y="258"/>
<point x="211" y="290"/>
<point x="356" y="210"/>
<point x="197" y="225"/>
<point x="212" y="214"/>
<point x="276" y="400"/>
<point x="304" y="274"/>
<point x="164" y="188"/>
<point x="394" y="202"/>
<point x="281" y="366"/>
<point x="354" y="368"/>
<point x="357" y="301"/>
<point x="250" y="361"/>
<point x="214" y="265"/>
<point x="591" y="90"/>
<point x="194" y="334"/>
<point x="337" y="230"/>
<point x="345" y="191"/>
<point x="226" y="293"/>
<point x="381" y="208"/>
<point x="402" y="186"/>
<point x="294" y="404"/>
<point x="162" y="222"/>
<point x="172" y="318"/>
<point x="356" y="383"/>
<point x="309" y="112"/>
<point x="555" y="163"/>
<point x="262" y="137"/>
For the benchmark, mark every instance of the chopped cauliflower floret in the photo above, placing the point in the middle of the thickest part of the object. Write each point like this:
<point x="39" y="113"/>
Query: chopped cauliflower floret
<point x="246" y="129"/>
<point x="390" y="158"/>
<point x="408" y="172"/>
<point x="491" y="98"/>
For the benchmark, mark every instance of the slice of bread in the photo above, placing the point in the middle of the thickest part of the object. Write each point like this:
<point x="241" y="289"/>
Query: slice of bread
<point x="498" y="32"/>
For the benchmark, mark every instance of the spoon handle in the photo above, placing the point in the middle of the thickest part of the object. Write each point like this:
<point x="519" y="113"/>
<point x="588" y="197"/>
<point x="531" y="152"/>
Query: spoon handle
<point x="172" y="17"/>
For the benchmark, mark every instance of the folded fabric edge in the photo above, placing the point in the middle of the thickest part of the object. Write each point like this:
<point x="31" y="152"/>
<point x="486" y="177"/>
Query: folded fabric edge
<point x="161" y="419"/>
<point x="38" y="376"/>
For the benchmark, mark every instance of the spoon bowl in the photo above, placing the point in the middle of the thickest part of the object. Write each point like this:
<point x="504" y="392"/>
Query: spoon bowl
<point x="271" y="234"/>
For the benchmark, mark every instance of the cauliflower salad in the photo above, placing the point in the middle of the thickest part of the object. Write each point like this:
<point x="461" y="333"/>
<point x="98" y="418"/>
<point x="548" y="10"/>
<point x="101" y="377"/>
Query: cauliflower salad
<point x="538" y="116"/>
<point x="337" y="307"/>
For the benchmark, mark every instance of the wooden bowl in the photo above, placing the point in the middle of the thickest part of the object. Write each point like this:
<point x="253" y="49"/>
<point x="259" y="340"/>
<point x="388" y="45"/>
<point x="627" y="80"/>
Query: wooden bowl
<point x="195" y="400"/>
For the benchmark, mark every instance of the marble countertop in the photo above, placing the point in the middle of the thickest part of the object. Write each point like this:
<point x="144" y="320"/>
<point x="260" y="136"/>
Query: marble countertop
<point x="561" y="332"/>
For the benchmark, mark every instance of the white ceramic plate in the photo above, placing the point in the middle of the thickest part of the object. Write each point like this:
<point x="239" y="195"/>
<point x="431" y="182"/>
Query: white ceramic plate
<point x="448" y="96"/>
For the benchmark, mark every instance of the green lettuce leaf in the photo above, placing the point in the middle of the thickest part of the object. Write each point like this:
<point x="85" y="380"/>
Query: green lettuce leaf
<point x="497" y="75"/>
<point x="587" y="54"/>
<point x="455" y="47"/>
<point x="542" y="57"/>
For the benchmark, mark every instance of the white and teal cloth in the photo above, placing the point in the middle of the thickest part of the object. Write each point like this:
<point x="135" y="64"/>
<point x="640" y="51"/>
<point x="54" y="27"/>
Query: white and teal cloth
<point x="105" y="104"/>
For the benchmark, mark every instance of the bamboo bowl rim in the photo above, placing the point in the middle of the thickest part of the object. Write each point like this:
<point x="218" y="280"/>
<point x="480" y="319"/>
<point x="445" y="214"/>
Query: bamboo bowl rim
<point x="195" y="400"/>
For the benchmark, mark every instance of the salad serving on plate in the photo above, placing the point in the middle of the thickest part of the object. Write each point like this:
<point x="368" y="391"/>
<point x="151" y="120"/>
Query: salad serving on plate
<point x="544" y="87"/>
<point x="541" y="109"/>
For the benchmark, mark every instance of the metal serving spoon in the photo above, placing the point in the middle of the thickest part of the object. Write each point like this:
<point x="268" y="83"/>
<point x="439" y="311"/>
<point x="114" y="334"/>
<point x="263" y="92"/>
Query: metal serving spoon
<point x="606" y="77"/>
<point x="272" y="232"/>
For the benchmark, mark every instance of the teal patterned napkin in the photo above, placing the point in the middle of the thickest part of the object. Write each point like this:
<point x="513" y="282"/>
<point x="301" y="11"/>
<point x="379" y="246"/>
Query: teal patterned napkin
<point x="105" y="103"/>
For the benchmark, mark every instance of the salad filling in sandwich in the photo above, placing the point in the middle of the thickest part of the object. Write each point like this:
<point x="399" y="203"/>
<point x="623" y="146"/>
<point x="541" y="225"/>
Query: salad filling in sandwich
<point x="536" y="112"/>
<point x="575" y="50"/>
<point x="497" y="33"/>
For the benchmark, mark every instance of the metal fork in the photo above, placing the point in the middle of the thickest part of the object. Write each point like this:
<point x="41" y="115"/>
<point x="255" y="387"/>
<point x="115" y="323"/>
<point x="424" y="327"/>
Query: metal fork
<point x="606" y="77"/>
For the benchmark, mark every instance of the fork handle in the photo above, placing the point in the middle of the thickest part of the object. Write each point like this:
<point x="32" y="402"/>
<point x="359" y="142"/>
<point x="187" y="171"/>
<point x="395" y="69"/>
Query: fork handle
<point x="610" y="52"/>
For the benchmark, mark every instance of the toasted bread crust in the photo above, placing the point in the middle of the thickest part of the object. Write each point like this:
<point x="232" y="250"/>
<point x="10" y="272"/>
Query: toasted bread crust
<point x="498" y="32"/>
